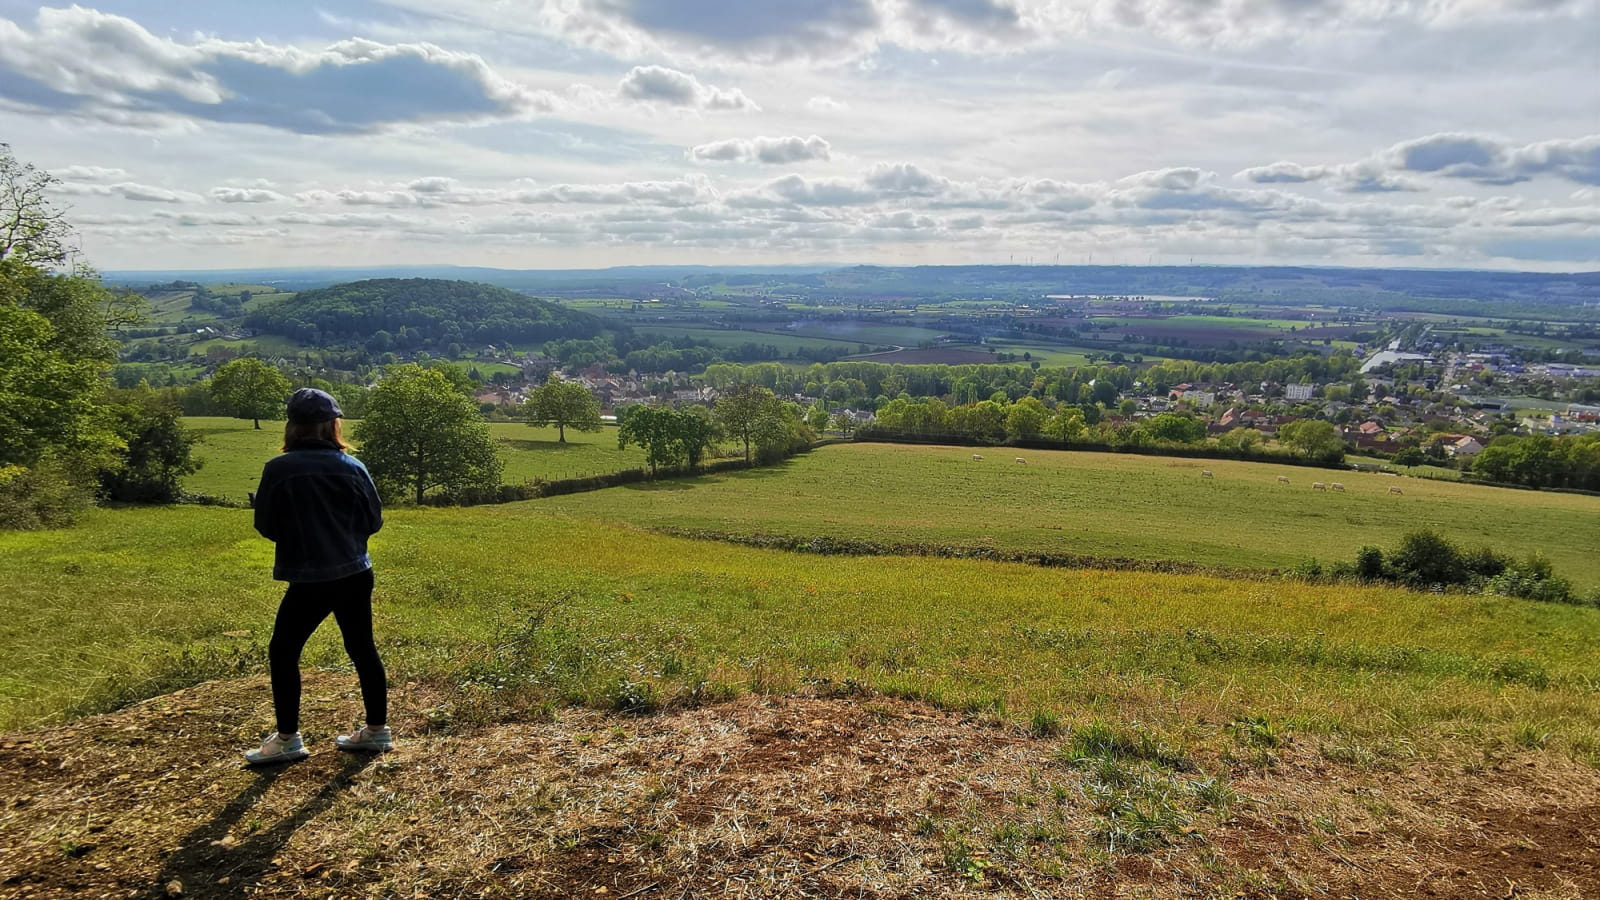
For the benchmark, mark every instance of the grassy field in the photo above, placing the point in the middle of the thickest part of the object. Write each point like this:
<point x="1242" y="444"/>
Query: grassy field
<point x="1105" y="505"/>
<point x="523" y="598"/>
<point x="234" y="452"/>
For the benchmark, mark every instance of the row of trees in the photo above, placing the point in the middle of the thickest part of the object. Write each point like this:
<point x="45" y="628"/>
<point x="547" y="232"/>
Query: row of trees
<point x="1568" y="461"/>
<point x="994" y="421"/>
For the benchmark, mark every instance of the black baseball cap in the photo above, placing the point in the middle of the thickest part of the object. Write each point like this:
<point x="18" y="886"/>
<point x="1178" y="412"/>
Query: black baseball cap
<point x="309" y="405"/>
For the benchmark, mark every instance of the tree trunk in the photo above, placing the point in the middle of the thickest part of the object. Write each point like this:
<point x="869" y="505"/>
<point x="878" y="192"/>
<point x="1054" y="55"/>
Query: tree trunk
<point x="258" y="424"/>
<point x="561" y="429"/>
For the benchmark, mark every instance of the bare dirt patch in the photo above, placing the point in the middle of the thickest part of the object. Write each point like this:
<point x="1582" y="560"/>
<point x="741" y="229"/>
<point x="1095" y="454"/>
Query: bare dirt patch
<point x="758" y="797"/>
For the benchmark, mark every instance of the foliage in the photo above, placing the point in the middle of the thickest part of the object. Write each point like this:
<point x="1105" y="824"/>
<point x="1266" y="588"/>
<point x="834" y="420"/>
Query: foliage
<point x="47" y="494"/>
<point x="157" y="453"/>
<point x="1567" y="461"/>
<point x="251" y="388"/>
<point x="1313" y="439"/>
<point x="421" y="434"/>
<point x="668" y="436"/>
<point x="32" y="231"/>
<point x="563" y="404"/>
<point x="1173" y="428"/>
<point x="415" y="313"/>
<point x="750" y="414"/>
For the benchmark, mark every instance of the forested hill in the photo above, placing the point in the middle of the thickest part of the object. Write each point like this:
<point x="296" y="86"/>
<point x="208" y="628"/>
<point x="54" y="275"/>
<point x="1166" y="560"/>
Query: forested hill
<point x="405" y="313"/>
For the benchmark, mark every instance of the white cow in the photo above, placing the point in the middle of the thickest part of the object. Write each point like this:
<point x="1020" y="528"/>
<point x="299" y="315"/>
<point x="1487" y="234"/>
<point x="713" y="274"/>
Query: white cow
<point x="1318" y="486"/>
<point x="1337" y="486"/>
<point x="1283" y="479"/>
<point x="1021" y="460"/>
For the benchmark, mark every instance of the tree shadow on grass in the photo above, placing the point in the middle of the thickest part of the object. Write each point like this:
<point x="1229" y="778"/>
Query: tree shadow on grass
<point x="522" y="444"/>
<point x="690" y="482"/>
<point x="202" y="861"/>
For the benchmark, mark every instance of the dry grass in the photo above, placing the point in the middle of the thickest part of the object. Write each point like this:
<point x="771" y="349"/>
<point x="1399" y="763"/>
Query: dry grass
<point x="761" y="797"/>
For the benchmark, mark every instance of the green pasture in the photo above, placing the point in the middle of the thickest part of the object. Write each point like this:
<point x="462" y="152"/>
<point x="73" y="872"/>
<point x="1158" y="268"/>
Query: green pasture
<point x="1104" y="505"/>
<point x="857" y="332"/>
<point x="501" y="606"/>
<point x="268" y="344"/>
<point x="233" y="453"/>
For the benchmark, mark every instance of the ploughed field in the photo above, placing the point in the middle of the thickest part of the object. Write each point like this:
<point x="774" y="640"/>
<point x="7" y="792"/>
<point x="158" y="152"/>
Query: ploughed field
<point x="1105" y="505"/>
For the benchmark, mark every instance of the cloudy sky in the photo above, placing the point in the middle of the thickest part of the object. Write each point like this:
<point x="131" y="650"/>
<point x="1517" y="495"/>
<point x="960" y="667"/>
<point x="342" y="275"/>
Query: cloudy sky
<point x="587" y="133"/>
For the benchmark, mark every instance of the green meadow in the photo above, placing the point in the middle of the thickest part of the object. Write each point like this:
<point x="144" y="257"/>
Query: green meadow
<point x="1104" y="505"/>
<point x="501" y="607"/>
<point x="233" y="453"/>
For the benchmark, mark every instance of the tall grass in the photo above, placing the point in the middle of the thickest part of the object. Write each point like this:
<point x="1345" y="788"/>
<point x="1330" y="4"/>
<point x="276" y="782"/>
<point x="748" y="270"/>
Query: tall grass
<point x="632" y="620"/>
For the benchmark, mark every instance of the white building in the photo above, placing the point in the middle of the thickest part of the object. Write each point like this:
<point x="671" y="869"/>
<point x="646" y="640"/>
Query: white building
<point x="1297" y="391"/>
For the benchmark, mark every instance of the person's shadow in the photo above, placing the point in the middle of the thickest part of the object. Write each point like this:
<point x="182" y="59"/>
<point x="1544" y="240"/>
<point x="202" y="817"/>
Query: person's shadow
<point x="202" y="861"/>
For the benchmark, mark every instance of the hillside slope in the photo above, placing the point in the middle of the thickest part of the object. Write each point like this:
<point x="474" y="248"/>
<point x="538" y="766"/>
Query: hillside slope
<point x="420" y="313"/>
<point x="758" y="797"/>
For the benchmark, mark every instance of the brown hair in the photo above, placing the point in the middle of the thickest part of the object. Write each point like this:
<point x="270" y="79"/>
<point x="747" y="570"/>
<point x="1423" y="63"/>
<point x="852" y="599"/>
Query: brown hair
<point x="300" y="432"/>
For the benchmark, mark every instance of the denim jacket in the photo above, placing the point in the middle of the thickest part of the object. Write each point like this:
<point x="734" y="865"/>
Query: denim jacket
<point x="318" y="506"/>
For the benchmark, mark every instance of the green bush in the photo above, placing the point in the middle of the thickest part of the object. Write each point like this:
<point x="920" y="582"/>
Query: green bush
<point x="45" y="495"/>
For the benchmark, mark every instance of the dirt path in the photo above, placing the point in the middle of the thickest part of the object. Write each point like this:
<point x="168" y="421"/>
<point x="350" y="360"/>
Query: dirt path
<point x="759" y="797"/>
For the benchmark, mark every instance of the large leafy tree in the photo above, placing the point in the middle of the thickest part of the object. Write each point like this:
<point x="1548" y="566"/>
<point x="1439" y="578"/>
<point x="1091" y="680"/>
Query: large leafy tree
<point x="252" y="388"/>
<point x="564" y="404"/>
<point x="1313" y="438"/>
<point x="668" y="436"/>
<point x="421" y="434"/>
<point x="157" y="452"/>
<point x="752" y="415"/>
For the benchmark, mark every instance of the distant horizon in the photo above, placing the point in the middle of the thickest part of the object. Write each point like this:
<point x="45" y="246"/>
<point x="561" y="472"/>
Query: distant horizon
<point x="828" y="267"/>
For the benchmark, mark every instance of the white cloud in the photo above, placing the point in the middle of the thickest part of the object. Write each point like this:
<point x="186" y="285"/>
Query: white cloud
<point x="84" y="62"/>
<point x="826" y="104"/>
<point x="245" y="195"/>
<point x="89" y="173"/>
<point x="127" y="190"/>
<point x="767" y="150"/>
<point x="659" y="84"/>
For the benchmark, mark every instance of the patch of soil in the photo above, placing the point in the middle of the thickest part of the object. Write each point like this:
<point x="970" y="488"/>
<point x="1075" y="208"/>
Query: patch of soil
<point x="758" y="797"/>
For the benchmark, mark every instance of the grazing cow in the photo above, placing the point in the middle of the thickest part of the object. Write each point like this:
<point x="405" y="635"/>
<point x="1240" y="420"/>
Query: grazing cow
<point x="1318" y="486"/>
<point x="1206" y="473"/>
<point x="976" y="456"/>
<point x="1337" y="486"/>
<point x="1283" y="479"/>
<point x="1395" y="490"/>
<point x="1021" y="460"/>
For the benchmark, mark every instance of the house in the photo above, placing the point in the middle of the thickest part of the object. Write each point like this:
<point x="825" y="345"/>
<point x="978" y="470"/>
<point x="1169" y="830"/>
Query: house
<point x="1467" y="447"/>
<point x="1298" y="391"/>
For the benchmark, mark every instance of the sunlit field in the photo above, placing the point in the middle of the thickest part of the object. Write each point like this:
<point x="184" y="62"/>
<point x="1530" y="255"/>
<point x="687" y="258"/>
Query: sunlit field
<point x="1105" y="505"/>
<point x="516" y="599"/>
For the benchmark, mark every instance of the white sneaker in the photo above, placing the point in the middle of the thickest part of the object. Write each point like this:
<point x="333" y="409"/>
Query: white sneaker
<point x="371" y="738"/>
<point x="277" y="749"/>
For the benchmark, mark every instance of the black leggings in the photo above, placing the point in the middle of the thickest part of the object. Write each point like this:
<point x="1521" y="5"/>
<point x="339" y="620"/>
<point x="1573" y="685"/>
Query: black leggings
<point x="305" y="605"/>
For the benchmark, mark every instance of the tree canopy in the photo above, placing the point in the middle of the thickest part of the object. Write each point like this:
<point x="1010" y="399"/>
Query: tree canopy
<point x="668" y="436"/>
<point x="420" y="313"/>
<point x="253" y="389"/>
<point x="564" y="404"/>
<point x="421" y="434"/>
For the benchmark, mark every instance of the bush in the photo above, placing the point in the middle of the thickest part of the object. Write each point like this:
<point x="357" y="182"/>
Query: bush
<point x="1534" y="579"/>
<point x="1425" y="559"/>
<point x="1369" y="564"/>
<point x="43" y="496"/>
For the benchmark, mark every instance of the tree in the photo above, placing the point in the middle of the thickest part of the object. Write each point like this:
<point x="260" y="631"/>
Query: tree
<point x="667" y="435"/>
<point x="251" y="388"/>
<point x="751" y="414"/>
<point x="420" y="433"/>
<point x="564" y="404"/>
<point x="1026" y="417"/>
<point x="157" y="454"/>
<point x="1313" y="438"/>
<point x="1241" y="438"/>
<point x="32" y="231"/>
<point x="1174" y="429"/>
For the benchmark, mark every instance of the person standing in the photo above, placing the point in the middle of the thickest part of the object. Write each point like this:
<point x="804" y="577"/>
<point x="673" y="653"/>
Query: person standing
<point x="318" y="506"/>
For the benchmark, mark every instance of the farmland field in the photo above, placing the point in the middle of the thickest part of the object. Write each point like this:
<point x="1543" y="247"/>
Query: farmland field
<point x="726" y="337"/>
<point x="1104" y="505"/>
<point x="234" y="453"/>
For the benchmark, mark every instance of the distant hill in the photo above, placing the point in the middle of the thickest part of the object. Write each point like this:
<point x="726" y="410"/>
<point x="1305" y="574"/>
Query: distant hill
<point x="420" y="313"/>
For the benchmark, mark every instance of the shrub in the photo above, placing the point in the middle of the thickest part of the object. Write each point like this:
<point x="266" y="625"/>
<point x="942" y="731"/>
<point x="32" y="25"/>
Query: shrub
<point x="1424" y="558"/>
<point x="42" y="496"/>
